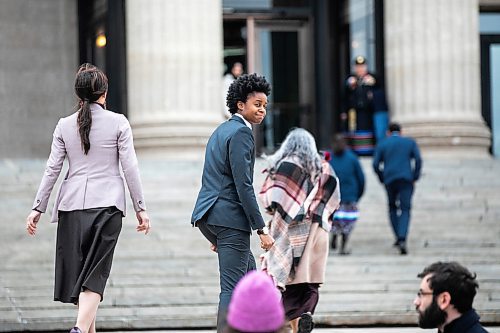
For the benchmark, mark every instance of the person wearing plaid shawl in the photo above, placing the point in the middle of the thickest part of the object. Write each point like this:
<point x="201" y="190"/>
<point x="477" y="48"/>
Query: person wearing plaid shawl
<point x="301" y="192"/>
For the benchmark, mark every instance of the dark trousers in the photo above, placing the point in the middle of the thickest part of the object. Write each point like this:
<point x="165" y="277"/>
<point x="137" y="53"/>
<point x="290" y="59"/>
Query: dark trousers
<point x="235" y="260"/>
<point x="399" y="194"/>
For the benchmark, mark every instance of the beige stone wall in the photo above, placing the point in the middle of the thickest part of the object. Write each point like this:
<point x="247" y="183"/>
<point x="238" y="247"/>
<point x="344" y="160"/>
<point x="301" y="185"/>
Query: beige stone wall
<point x="38" y="58"/>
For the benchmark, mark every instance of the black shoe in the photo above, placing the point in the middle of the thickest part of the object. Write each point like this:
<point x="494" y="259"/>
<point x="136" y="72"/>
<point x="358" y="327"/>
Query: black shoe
<point x="306" y="323"/>
<point x="75" y="330"/>
<point x="344" y="252"/>
<point x="402" y="248"/>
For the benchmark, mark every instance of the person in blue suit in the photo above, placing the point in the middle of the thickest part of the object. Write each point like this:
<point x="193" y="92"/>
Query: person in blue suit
<point x="226" y="210"/>
<point x="397" y="163"/>
<point x="352" y="185"/>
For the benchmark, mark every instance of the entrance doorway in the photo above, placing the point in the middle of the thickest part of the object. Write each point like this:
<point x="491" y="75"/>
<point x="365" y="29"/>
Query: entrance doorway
<point x="281" y="51"/>
<point x="101" y="25"/>
<point x="490" y="82"/>
<point x="489" y="26"/>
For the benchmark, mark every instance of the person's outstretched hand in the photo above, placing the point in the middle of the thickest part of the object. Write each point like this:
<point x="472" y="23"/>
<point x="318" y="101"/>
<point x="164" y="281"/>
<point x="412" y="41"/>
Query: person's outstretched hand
<point x="144" y="223"/>
<point x="266" y="242"/>
<point x="31" y="222"/>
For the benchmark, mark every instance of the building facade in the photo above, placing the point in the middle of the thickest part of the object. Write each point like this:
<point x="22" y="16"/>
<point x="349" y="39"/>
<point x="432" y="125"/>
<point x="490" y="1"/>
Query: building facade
<point x="436" y="60"/>
<point x="38" y="57"/>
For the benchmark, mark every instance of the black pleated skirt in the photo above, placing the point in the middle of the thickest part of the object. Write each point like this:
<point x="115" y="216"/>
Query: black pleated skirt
<point x="86" y="241"/>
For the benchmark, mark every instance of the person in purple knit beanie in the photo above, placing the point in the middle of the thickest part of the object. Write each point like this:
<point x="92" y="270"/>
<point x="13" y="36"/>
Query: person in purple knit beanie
<point x="256" y="306"/>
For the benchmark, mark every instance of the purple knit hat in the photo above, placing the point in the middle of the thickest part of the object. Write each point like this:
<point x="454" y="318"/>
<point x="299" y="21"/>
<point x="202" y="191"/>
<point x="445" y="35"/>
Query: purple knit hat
<point x="256" y="304"/>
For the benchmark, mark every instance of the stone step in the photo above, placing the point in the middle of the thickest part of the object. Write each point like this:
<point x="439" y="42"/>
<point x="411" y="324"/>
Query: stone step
<point x="169" y="279"/>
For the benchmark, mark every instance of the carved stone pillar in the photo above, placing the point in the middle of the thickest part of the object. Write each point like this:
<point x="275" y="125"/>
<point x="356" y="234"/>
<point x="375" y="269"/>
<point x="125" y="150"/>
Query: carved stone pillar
<point x="433" y="73"/>
<point x="174" y="70"/>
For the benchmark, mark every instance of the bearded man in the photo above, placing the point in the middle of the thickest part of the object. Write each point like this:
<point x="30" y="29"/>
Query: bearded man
<point x="445" y="297"/>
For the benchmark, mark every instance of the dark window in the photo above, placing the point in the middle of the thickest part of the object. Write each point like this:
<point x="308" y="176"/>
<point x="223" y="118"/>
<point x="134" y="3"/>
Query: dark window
<point x="101" y="26"/>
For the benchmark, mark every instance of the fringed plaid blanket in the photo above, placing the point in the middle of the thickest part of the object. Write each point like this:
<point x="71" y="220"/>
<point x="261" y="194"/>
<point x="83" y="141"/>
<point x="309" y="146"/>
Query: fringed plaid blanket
<point x="295" y="202"/>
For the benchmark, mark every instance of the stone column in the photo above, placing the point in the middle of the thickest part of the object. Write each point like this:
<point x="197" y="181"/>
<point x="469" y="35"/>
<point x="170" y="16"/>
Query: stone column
<point x="174" y="74"/>
<point x="433" y="73"/>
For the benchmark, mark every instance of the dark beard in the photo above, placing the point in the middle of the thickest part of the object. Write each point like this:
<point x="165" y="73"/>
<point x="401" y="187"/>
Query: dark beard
<point x="432" y="317"/>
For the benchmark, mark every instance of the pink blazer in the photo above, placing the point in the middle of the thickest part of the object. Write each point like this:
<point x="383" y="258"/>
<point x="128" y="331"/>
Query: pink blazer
<point x="92" y="180"/>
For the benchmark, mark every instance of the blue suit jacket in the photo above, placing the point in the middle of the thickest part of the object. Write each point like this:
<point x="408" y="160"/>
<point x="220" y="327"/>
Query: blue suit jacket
<point x="227" y="197"/>
<point x="396" y="153"/>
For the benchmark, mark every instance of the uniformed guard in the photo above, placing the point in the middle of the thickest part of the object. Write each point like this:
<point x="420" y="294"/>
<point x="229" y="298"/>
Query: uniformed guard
<point x="360" y="86"/>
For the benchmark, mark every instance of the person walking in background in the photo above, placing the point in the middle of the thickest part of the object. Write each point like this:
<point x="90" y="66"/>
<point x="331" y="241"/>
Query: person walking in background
<point x="392" y="162"/>
<point x="301" y="193"/>
<point x="256" y="306"/>
<point x="235" y="72"/>
<point x="226" y="209"/>
<point x="359" y="116"/>
<point x="352" y="185"/>
<point x="380" y="114"/>
<point x="445" y="297"/>
<point x="91" y="200"/>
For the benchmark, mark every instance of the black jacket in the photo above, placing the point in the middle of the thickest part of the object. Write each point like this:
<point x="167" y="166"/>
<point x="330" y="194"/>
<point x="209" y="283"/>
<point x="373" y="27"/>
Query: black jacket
<point x="466" y="323"/>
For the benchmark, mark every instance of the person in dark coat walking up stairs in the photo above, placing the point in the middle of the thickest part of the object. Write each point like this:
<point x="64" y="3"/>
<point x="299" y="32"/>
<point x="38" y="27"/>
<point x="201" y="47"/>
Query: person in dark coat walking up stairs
<point x="392" y="162"/>
<point x="352" y="186"/>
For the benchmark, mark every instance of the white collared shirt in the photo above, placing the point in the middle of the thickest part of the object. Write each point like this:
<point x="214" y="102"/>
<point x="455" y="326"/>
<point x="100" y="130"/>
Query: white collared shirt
<point x="246" y="121"/>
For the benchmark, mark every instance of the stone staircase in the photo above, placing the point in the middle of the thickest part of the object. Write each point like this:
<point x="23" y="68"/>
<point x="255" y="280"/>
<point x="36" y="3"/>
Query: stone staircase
<point x="169" y="279"/>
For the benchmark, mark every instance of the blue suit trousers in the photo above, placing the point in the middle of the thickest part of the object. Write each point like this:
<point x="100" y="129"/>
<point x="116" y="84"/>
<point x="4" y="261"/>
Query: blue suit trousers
<point x="399" y="194"/>
<point x="235" y="260"/>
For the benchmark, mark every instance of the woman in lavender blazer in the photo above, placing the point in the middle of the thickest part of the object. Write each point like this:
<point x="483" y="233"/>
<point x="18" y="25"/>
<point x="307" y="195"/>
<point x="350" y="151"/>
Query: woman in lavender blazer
<point x="90" y="203"/>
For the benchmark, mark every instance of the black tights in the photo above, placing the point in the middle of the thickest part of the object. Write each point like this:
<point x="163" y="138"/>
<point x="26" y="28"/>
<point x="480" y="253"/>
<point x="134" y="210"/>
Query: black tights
<point x="345" y="238"/>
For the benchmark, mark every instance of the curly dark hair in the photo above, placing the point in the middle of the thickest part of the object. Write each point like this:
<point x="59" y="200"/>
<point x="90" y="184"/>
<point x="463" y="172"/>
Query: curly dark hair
<point x="243" y="86"/>
<point x="456" y="280"/>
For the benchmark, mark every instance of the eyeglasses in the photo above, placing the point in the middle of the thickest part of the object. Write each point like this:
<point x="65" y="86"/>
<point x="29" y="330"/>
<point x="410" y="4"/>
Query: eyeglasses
<point x="421" y="293"/>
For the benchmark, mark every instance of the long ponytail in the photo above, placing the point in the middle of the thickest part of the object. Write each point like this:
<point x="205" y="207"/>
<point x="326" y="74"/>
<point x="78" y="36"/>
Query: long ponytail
<point x="84" y="122"/>
<point x="90" y="84"/>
